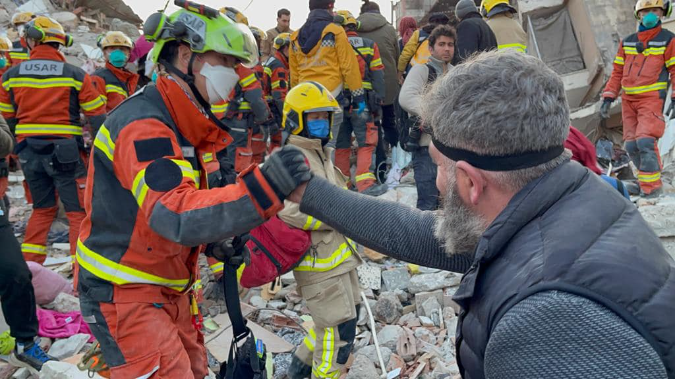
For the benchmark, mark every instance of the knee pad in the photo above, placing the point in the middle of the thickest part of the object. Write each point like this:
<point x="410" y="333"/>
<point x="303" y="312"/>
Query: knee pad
<point x="649" y="160"/>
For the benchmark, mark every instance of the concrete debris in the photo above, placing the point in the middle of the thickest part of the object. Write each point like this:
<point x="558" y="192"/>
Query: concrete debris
<point x="68" y="20"/>
<point x="422" y="297"/>
<point x="389" y="335"/>
<point x="64" y="303"/>
<point x="63" y="370"/>
<point x="362" y="368"/>
<point x="396" y="279"/>
<point x="388" y="308"/>
<point x="431" y="282"/>
<point x="22" y="373"/>
<point x="371" y="353"/>
<point x="258" y="302"/>
<point x="370" y="277"/>
<point x="127" y="28"/>
<point x="68" y="347"/>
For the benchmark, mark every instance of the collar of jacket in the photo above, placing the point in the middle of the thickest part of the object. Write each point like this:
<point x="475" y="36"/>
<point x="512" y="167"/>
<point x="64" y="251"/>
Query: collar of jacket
<point x="121" y="73"/>
<point x="649" y="34"/>
<point x="306" y="143"/>
<point x="439" y="65"/>
<point x="46" y="52"/>
<point x="191" y="123"/>
<point x="352" y="34"/>
<point x="281" y="58"/>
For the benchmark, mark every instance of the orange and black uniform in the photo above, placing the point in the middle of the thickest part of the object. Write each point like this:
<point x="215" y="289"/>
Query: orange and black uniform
<point x="258" y="134"/>
<point x="20" y="52"/>
<point x="275" y="86"/>
<point x="149" y="208"/>
<point x="362" y="125"/>
<point x="245" y="108"/>
<point x="116" y="84"/>
<point x="644" y="67"/>
<point x="41" y="99"/>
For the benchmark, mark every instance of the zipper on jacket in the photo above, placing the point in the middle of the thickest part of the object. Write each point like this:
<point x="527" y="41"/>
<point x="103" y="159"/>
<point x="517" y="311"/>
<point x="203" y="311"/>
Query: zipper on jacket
<point x="643" y="65"/>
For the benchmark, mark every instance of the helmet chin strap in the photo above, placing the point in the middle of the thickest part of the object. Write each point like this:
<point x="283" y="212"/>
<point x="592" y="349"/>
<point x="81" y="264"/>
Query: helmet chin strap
<point x="189" y="78"/>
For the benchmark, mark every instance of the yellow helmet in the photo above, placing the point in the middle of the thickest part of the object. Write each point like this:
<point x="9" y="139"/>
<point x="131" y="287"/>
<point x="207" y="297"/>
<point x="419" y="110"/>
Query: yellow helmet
<point x="283" y="39"/>
<point x="22" y="18"/>
<point x="258" y="34"/>
<point x="486" y="6"/>
<point x="44" y="29"/>
<point x="5" y="44"/>
<point x="307" y="97"/>
<point x="345" y="18"/>
<point x="666" y="5"/>
<point x="111" y="39"/>
<point x="235" y="15"/>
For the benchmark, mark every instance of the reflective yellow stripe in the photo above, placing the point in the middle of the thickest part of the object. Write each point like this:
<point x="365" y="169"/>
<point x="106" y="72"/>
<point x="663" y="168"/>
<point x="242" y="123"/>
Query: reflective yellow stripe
<point x="33" y="249"/>
<point x="42" y="83"/>
<point x="207" y="157"/>
<point x="48" y="129"/>
<point x="8" y="108"/>
<point x="670" y="62"/>
<point x="327" y="357"/>
<point x="310" y="340"/>
<point x="276" y="84"/>
<point x="312" y="224"/>
<point x="268" y="71"/>
<point x="247" y="81"/>
<point x="310" y="263"/>
<point x="619" y="60"/>
<point x="188" y="171"/>
<point x="376" y="63"/>
<point x="198" y="285"/>
<point x="116" y="273"/>
<point x="653" y="87"/>
<point x="91" y="105"/>
<point x="104" y="143"/>
<point x="245" y="106"/>
<point x="116" y="89"/>
<point x="366" y="176"/>
<point x="139" y="188"/>
<point x="367" y="85"/>
<point x="18" y="55"/>
<point x="217" y="267"/>
<point x="219" y="108"/>
<point x="649" y="178"/>
<point x="514" y="46"/>
<point x="366" y="50"/>
<point x="654" y="51"/>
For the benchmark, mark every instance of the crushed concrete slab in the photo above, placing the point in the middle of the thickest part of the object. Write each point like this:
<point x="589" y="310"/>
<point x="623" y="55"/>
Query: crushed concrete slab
<point x="68" y="347"/>
<point x="63" y="370"/>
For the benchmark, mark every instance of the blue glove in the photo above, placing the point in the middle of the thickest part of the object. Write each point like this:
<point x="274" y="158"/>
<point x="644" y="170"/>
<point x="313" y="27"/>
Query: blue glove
<point x="361" y="107"/>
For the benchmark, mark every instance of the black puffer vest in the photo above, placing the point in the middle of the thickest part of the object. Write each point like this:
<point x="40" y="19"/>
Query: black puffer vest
<point x="571" y="232"/>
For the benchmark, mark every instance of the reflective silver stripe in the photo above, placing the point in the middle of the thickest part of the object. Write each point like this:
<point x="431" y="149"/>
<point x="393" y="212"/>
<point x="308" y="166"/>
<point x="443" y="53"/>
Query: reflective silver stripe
<point x="146" y="376"/>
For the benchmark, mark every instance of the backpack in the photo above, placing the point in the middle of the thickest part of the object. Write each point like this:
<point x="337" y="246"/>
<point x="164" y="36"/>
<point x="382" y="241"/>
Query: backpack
<point x="406" y="121"/>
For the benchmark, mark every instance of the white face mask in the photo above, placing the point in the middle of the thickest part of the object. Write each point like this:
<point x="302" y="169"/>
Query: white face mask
<point x="20" y="29"/>
<point x="220" y="81"/>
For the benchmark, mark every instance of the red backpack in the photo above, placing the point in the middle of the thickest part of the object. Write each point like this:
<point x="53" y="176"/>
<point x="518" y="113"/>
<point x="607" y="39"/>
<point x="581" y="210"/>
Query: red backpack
<point x="276" y="249"/>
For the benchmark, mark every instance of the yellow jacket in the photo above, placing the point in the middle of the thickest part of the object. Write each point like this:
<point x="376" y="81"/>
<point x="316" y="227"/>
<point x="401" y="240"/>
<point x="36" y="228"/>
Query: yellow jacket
<point x="509" y="33"/>
<point x="331" y="62"/>
<point x="414" y="52"/>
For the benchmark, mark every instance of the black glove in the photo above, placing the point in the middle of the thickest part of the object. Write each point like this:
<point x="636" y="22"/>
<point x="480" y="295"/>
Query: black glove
<point x="285" y="170"/>
<point x="671" y="109"/>
<point x="604" y="109"/>
<point x="272" y="127"/>
<point x="232" y="251"/>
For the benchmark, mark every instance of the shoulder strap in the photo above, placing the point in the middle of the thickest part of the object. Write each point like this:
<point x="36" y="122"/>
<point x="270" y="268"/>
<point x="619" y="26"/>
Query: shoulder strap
<point x="365" y="62"/>
<point x="230" y="287"/>
<point x="432" y="74"/>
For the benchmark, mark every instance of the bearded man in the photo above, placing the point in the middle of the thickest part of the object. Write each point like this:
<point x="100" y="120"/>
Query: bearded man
<point x="562" y="276"/>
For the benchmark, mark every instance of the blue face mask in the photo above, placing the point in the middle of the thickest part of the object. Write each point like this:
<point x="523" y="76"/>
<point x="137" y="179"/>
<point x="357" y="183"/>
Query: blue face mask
<point x="117" y="58"/>
<point x="318" y="128"/>
<point x="3" y="62"/>
<point x="650" y="20"/>
<point x="154" y="77"/>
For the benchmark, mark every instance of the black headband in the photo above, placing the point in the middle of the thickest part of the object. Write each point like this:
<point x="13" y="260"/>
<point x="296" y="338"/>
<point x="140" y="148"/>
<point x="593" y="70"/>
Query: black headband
<point x="500" y="162"/>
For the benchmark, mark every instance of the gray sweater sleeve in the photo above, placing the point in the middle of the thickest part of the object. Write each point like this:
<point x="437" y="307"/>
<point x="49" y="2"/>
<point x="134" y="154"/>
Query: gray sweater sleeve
<point x="387" y="227"/>
<point x="556" y="334"/>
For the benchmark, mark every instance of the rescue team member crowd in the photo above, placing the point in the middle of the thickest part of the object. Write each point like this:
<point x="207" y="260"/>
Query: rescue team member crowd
<point x="237" y="125"/>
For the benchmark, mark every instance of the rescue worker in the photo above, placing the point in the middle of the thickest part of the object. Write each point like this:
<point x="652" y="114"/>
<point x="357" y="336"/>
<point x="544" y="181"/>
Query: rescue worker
<point x="20" y="51"/>
<point x="41" y="99"/>
<point x="473" y="33"/>
<point x="275" y="85"/>
<point x="416" y="51"/>
<point x="5" y="51"/>
<point x="320" y="52"/>
<point x="362" y="125"/>
<point x="258" y="132"/>
<point x="327" y="277"/>
<point x="643" y="68"/>
<point x="501" y="17"/>
<point x="114" y="81"/>
<point x="148" y="204"/>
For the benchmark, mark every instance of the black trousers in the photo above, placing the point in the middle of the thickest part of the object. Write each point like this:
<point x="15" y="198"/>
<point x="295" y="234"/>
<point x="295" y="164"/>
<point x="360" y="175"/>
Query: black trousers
<point x="16" y="289"/>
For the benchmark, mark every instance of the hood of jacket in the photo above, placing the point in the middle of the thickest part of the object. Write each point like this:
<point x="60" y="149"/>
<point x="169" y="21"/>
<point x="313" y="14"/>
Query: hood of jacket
<point x="310" y="33"/>
<point x="46" y="52"/>
<point x="371" y="21"/>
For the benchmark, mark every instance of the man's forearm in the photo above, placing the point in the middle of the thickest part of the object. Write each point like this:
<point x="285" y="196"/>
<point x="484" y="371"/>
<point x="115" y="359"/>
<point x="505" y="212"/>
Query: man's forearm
<point x="389" y="228"/>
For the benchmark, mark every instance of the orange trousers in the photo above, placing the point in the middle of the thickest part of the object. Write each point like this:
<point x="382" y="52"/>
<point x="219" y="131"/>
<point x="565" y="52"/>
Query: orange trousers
<point x="365" y="130"/>
<point x="643" y="125"/>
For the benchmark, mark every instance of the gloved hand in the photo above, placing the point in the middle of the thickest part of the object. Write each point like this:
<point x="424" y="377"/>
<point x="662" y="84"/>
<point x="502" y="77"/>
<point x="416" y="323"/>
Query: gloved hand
<point x="272" y="127"/>
<point x="359" y="103"/>
<point x="232" y="251"/>
<point x="671" y="110"/>
<point x="285" y="170"/>
<point x="604" y="109"/>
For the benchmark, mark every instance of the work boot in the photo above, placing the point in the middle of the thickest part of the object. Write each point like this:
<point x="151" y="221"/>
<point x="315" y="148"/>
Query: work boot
<point x="29" y="355"/>
<point x="298" y="369"/>
<point x="376" y="190"/>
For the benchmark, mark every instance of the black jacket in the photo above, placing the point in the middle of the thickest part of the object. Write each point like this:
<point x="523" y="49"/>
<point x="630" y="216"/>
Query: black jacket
<point x="473" y="35"/>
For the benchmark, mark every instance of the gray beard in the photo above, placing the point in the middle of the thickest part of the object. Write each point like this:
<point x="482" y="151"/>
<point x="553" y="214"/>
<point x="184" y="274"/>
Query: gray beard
<point x="458" y="228"/>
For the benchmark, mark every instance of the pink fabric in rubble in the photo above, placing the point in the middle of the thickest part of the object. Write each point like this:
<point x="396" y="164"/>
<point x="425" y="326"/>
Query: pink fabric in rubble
<point x="47" y="284"/>
<point x="141" y="47"/>
<point x="61" y="325"/>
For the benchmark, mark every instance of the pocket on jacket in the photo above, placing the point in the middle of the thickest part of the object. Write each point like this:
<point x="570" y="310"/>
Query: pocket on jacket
<point x="328" y="302"/>
<point x="143" y="367"/>
<point x="66" y="155"/>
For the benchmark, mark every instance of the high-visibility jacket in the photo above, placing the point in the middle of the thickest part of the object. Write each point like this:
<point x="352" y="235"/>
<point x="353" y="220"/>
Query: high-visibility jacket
<point x="115" y="84"/>
<point x="276" y="83"/>
<point x="509" y="33"/>
<point x="8" y="63"/>
<point x="370" y="63"/>
<point x="416" y="51"/>
<point x="331" y="253"/>
<point x="246" y="97"/>
<point x="147" y="199"/>
<point x="330" y="62"/>
<point x="19" y="52"/>
<point x="44" y="96"/>
<point x="642" y="66"/>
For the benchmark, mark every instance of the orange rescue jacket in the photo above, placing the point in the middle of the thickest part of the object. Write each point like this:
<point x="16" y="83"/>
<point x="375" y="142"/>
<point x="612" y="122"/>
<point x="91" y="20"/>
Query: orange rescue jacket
<point x="115" y="84"/>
